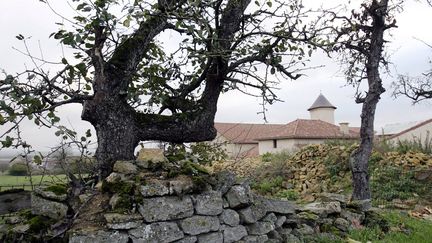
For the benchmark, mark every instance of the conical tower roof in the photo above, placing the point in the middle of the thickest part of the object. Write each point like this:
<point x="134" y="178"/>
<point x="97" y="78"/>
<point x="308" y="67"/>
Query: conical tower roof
<point x="321" y="102"/>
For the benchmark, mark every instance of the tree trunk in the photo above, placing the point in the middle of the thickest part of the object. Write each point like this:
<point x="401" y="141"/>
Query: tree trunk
<point x="360" y="158"/>
<point x="115" y="129"/>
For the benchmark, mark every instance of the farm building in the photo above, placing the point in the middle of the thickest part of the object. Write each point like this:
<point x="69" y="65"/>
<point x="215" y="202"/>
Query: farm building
<point x="247" y="140"/>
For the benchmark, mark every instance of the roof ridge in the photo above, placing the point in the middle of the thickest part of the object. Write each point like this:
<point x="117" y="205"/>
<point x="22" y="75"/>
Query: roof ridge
<point x="412" y="128"/>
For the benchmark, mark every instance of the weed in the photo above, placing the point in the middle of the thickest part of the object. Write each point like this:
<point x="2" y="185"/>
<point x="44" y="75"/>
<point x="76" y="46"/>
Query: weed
<point x="288" y="194"/>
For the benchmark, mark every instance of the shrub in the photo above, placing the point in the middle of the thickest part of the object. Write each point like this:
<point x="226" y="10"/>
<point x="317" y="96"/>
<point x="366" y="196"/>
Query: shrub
<point x="268" y="186"/>
<point x="18" y="169"/>
<point x="288" y="194"/>
<point x="388" y="183"/>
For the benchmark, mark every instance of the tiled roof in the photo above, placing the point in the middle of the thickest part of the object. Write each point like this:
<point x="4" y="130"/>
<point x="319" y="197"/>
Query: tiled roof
<point x="321" y="102"/>
<point x="411" y="128"/>
<point x="300" y="128"/>
<point x="246" y="132"/>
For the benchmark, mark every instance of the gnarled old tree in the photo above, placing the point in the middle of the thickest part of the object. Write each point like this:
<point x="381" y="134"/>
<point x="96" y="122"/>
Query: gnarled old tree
<point x="133" y="88"/>
<point x="361" y="42"/>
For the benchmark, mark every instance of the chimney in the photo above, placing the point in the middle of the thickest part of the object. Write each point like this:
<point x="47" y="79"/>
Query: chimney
<point x="343" y="126"/>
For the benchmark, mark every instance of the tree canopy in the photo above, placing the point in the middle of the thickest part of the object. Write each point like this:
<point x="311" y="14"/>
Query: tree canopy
<point x="135" y="86"/>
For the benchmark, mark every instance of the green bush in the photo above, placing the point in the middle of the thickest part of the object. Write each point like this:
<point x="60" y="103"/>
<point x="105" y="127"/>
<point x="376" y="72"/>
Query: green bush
<point x="288" y="194"/>
<point x="268" y="186"/>
<point x="18" y="169"/>
<point x="388" y="183"/>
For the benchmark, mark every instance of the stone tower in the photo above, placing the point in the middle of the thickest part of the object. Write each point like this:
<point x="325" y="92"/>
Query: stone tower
<point x="322" y="110"/>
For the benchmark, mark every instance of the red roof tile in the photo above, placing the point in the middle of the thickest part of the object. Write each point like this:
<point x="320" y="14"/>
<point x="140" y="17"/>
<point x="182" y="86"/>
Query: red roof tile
<point x="246" y="132"/>
<point x="300" y="128"/>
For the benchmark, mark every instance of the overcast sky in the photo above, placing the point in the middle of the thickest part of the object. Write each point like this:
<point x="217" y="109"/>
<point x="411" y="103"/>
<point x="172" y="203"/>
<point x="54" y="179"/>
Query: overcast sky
<point x="408" y="55"/>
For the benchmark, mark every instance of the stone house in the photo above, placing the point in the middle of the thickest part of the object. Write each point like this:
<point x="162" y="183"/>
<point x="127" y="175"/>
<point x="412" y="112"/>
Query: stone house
<point x="247" y="140"/>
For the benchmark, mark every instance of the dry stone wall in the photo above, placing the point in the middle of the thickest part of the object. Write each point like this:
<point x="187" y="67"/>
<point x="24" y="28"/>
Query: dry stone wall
<point x="145" y="205"/>
<point x="225" y="211"/>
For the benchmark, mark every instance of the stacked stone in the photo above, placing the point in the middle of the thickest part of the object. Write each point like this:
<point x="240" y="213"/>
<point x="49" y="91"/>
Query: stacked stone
<point x="169" y="210"/>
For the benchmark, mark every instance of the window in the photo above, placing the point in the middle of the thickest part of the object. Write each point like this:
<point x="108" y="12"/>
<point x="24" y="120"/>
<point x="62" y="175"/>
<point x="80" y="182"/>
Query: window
<point x="274" y="143"/>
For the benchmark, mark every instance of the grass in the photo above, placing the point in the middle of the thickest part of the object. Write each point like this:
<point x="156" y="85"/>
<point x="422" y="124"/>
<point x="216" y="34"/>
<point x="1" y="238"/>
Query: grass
<point x="403" y="229"/>
<point x="8" y="181"/>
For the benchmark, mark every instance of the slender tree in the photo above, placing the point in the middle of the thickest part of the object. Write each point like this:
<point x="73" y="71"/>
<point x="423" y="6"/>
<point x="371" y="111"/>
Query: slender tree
<point x="134" y="86"/>
<point x="361" y="42"/>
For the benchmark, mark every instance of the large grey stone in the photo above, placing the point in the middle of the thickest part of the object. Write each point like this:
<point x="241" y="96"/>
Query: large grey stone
<point x="239" y="196"/>
<point x="188" y="239"/>
<point x="252" y="213"/>
<point x="99" y="237"/>
<point x="199" y="224"/>
<point x="150" y="155"/>
<point x="166" y="208"/>
<point x="323" y="208"/>
<point x="209" y="203"/>
<point x="230" y="217"/>
<point x="280" y="221"/>
<point x="123" y="221"/>
<point x="352" y="217"/>
<point x="180" y="185"/>
<point x="260" y="228"/>
<point x="41" y="206"/>
<point x="330" y="197"/>
<point x="256" y="239"/>
<point x="279" y="206"/>
<point x="225" y="180"/>
<point x="156" y="232"/>
<point x="232" y="234"/>
<point x="43" y="192"/>
<point x="154" y="187"/>
<point x="342" y="224"/>
<point x="271" y="217"/>
<point x="125" y="167"/>
<point x="215" y="237"/>
<point x="304" y="230"/>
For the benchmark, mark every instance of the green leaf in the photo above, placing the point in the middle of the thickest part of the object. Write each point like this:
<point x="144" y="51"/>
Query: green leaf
<point x="269" y="3"/>
<point x="8" y="142"/>
<point x="37" y="159"/>
<point x="87" y="87"/>
<point x="257" y="3"/>
<point x="83" y="139"/>
<point x="272" y="70"/>
<point x="88" y="133"/>
<point x="126" y="22"/>
<point x="64" y="61"/>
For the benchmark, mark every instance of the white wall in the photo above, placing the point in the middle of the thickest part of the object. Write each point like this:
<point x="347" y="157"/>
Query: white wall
<point x="323" y="114"/>
<point x="290" y="145"/>
<point x="419" y="134"/>
<point x="233" y="150"/>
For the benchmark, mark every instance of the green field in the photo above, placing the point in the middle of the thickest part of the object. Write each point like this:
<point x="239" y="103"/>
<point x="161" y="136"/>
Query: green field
<point x="9" y="182"/>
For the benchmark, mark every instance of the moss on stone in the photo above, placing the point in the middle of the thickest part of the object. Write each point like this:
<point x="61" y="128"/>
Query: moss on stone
<point x="121" y="187"/>
<point x="199" y="183"/>
<point x="190" y="168"/>
<point x="39" y="223"/>
<point x="58" y="189"/>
